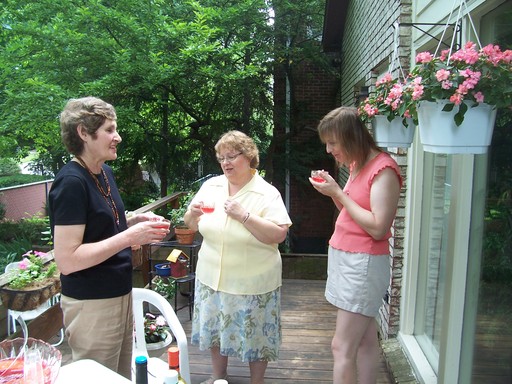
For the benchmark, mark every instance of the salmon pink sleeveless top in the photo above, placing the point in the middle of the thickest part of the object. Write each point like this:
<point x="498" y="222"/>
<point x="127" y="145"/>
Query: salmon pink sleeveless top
<point x="348" y="236"/>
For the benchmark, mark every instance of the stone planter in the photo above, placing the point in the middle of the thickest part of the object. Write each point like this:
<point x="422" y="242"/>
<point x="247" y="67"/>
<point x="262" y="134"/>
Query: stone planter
<point x="29" y="298"/>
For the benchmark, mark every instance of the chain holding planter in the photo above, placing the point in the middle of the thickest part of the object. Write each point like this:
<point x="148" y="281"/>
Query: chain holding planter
<point x="390" y="109"/>
<point x="460" y="93"/>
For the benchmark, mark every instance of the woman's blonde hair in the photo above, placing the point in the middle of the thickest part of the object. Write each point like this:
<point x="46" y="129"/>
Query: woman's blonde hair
<point x="239" y="142"/>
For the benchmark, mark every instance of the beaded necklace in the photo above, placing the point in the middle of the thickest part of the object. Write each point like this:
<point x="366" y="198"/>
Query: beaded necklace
<point x="106" y="195"/>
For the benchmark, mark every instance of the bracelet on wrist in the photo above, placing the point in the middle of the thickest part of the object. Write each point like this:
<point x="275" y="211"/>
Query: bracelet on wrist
<point x="246" y="217"/>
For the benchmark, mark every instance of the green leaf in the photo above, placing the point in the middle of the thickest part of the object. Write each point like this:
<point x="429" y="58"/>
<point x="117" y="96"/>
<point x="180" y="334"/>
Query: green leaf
<point x="448" y="107"/>
<point x="458" y="118"/>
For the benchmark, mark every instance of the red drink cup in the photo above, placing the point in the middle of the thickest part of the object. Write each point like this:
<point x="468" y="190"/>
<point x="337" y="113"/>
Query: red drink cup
<point x="162" y="224"/>
<point x="207" y="206"/>
<point x="315" y="175"/>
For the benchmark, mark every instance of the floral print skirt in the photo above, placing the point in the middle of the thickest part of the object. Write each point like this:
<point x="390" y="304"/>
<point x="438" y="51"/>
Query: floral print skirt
<point x="243" y="326"/>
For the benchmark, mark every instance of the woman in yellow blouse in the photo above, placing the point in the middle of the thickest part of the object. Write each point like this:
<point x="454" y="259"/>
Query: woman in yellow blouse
<point x="238" y="276"/>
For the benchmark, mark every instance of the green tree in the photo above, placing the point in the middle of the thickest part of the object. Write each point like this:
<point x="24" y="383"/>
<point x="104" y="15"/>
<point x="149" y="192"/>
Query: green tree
<point x="178" y="72"/>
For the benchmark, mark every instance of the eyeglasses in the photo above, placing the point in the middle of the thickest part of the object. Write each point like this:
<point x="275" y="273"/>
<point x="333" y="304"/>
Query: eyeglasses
<point x="228" y="158"/>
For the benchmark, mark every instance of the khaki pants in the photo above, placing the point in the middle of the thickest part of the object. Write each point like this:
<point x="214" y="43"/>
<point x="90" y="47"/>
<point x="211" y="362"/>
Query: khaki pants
<point x="101" y="330"/>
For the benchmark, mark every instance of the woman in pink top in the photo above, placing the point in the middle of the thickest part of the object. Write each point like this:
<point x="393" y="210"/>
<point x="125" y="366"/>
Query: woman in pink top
<point x="358" y="266"/>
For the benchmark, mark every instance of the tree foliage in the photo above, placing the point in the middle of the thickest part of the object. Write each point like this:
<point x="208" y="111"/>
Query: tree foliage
<point x="180" y="73"/>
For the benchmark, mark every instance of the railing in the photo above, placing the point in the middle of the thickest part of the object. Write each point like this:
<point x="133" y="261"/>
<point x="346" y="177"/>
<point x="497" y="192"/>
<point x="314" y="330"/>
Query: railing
<point x="140" y="257"/>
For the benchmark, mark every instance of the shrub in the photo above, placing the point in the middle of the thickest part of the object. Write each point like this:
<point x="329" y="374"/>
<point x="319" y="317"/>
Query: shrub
<point x="20" y="179"/>
<point x="29" y="229"/>
<point x="9" y="167"/>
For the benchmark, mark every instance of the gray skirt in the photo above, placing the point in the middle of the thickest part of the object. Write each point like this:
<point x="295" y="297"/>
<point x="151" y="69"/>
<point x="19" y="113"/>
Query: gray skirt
<point x="357" y="282"/>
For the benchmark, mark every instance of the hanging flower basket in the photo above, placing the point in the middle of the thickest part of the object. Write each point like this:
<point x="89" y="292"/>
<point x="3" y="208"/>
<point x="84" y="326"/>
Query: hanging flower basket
<point x="30" y="297"/>
<point x="440" y="134"/>
<point x="393" y="133"/>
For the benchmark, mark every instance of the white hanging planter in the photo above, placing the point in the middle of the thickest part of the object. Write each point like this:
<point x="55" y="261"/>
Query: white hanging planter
<point x="440" y="134"/>
<point x="392" y="133"/>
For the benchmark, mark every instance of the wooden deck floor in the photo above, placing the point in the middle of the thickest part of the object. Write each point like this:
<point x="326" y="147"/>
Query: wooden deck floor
<point x="308" y="323"/>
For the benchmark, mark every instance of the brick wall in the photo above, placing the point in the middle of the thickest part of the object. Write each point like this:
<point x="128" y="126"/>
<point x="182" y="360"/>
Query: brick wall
<point x="24" y="201"/>
<point x="314" y="93"/>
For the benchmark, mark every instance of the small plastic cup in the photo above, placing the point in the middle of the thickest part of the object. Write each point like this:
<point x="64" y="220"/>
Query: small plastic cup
<point x="208" y="206"/>
<point x="315" y="175"/>
<point x="162" y="224"/>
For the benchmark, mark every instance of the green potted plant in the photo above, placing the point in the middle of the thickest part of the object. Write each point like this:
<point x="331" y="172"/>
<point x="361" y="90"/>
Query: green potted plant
<point x="391" y="110"/>
<point x="156" y="334"/>
<point x="31" y="282"/>
<point x="184" y="235"/>
<point x="165" y="287"/>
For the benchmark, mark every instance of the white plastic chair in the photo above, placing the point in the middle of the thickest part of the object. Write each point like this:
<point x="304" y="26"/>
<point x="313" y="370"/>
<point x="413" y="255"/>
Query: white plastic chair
<point x="12" y="315"/>
<point x="140" y="296"/>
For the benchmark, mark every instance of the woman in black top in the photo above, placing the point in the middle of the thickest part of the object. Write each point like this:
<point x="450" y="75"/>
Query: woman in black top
<point x="93" y="238"/>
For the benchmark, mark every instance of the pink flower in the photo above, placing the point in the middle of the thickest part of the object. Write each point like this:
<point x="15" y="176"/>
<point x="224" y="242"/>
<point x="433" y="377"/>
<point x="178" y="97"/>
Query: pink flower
<point x="492" y="54"/>
<point x="385" y="79"/>
<point x="468" y="74"/>
<point x="370" y="110"/>
<point x="418" y="88"/>
<point x="507" y="56"/>
<point x="446" y="84"/>
<point x="479" y="97"/>
<point x="160" y="320"/>
<point x="456" y="99"/>
<point x="24" y="263"/>
<point x="468" y="54"/>
<point x="442" y="74"/>
<point x="40" y="254"/>
<point x="424" y="57"/>
<point x="394" y="96"/>
<point x="462" y="89"/>
<point x="444" y="54"/>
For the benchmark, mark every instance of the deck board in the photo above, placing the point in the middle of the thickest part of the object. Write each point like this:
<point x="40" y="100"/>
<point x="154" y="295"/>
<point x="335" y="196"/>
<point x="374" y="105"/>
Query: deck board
<point x="308" y="323"/>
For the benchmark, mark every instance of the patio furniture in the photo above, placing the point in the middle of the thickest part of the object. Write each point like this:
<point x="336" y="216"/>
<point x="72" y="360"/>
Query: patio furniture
<point x="156" y="365"/>
<point x="88" y="371"/>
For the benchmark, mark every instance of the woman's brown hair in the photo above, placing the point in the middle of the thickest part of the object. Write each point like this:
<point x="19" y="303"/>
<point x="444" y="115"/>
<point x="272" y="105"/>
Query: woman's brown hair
<point x="344" y="126"/>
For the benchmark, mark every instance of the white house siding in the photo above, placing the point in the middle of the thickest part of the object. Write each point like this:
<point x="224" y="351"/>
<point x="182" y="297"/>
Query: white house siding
<point x="439" y="315"/>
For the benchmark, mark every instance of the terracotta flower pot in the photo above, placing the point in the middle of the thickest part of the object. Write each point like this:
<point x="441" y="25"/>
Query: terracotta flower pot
<point x="184" y="235"/>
